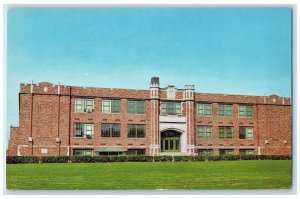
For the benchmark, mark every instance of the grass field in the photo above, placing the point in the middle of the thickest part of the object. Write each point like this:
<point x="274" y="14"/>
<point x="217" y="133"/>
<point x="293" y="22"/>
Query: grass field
<point x="261" y="174"/>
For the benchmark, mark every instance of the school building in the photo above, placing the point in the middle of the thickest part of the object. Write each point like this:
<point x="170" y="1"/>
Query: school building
<point x="60" y="120"/>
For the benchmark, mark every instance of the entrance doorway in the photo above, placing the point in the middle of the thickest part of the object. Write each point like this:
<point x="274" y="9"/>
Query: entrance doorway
<point x="170" y="141"/>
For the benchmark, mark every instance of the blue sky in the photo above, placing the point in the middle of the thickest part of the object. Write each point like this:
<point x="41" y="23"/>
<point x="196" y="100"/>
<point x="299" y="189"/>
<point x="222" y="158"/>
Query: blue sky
<point x="219" y="50"/>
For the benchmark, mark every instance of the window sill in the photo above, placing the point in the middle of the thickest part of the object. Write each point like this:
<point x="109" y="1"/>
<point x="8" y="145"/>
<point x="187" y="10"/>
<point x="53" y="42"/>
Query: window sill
<point x="204" y="139"/>
<point x="110" y="113"/>
<point x="232" y="139"/>
<point x="83" y="112"/>
<point x="252" y="139"/>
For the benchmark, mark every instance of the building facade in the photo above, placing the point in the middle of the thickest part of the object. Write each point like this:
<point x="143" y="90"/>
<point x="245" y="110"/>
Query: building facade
<point x="59" y="120"/>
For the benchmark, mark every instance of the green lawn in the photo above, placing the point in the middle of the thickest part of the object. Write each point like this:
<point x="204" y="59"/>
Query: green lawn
<point x="261" y="174"/>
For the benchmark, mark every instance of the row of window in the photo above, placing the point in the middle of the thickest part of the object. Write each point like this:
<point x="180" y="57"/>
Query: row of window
<point x="225" y="110"/>
<point x="166" y="108"/>
<point x="109" y="106"/>
<point x="136" y="152"/>
<point x="139" y="131"/>
<point x="85" y="152"/>
<point x="225" y="132"/>
<point x="109" y="130"/>
<point x="209" y="152"/>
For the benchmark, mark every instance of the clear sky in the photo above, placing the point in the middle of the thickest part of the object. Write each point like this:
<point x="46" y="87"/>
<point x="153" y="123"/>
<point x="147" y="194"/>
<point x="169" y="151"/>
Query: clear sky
<point x="219" y="50"/>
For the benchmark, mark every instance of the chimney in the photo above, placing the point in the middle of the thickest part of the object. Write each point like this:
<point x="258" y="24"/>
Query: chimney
<point x="154" y="88"/>
<point x="155" y="81"/>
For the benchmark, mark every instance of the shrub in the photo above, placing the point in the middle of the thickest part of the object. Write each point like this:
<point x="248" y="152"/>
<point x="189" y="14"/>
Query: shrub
<point x="101" y="158"/>
<point x="55" y="159"/>
<point x="215" y="158"/>
<point x="163" y="158"/>
<point x="117" y="158"/>
<point x="84" y="159"/>
<point x="21" y="159"/>
<point x="139" y="158"/>
<point x="275" y="157"/>
<point x="231" y="157"/>
<point x="183" y="158"/>
<point x="200" y="158"/>
<point x="249" y="157"/>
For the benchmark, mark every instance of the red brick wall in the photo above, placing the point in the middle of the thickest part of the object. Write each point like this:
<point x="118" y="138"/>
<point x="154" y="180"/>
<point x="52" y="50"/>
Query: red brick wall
<point x="52" y="118"/>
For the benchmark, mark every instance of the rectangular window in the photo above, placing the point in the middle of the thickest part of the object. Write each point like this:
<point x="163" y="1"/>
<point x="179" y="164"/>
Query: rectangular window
<point x="83" y="130"/>
<point x="245" y="111"/>
<point x="170" y="108"/>
<point x="82" y="152"/>
<point x="225" y="110"/>
<point x="136" y="131"/>
<point x="205" y="152"/>
<point x="246" y="132"/>
<point x="110" y="153"/>
<point x="79" y="105"/>
<point x="226" y="151"/>
<point x="136" y="107"/>
<point x="225" y="132"/>
<point x="84" y="105"/>
<point x="204" y="132"/>
<point x="110" y="130"/>
<point x="246" y="151"/>
<point x="204" y="109"/>
<point x="111" y="106"/>
<point x="136" y="152"/>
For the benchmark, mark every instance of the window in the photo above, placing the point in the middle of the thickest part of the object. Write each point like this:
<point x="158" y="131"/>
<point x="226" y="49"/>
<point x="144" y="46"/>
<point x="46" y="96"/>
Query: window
<point x="226" y="151"/>
<point x="204" y="109"/>
<point x="84" y="105"/>
<point x="225" y="132"/>
<point x="246" y="151"/>
<point x="111" y="106"/>
<point x="246" y="132"/>
<point x="81" y="152"/>
<point x="205" y="152"/>
<point x="136" y="107"/>
<point x="245" y="111"/>
<point x="110" y="130"/>
<point x="204" y="132"/>
<point x="136" y="131"/>
<point x="225" y="110"/>
<point x="110" y="153"/>
<point x="136" y="152"/>
<point x="83" y="130"/>
<point x="170" y="108"/>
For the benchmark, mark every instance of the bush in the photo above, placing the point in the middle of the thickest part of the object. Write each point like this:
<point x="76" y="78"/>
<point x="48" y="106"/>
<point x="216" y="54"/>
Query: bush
<point x="117" y="158"/>
<point x="231" y="157"/>
<point x="55" y="159"/>
<point x="215" y="158"/>
<point x="91" y="159"/>
<point x="139" y="158"/>
<point x="21" y="159"/>
<point x="249" y="157"/>
<point x="275" y="157"/>
<point x="101" y="158"/>
<point x="84" y="159"/>
<point x="200" y="158"/>
<point x="183" y="158"/>
<point x="163" y="158"/>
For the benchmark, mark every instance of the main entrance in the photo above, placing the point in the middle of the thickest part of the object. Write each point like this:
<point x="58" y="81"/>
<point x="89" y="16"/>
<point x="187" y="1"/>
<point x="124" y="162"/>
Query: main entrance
<point x="170" y="141"/>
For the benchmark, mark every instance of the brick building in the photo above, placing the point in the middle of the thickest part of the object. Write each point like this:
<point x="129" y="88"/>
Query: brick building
<point x="69" y="120"/>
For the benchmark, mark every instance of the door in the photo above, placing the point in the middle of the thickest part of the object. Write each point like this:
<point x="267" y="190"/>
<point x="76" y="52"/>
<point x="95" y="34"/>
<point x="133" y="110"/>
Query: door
<point x="170" y="141"/>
